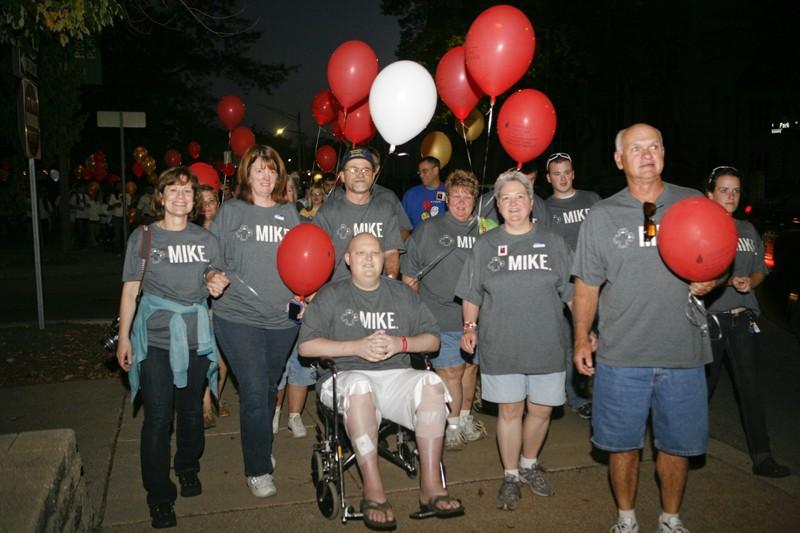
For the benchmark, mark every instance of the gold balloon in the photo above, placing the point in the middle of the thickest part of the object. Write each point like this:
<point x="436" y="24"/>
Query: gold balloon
<point x="149" y="164"/>
<point x="152" y="177"/>
<point x="474" y="124"/>
<point x="436" y="144"/>
<point x="139" y="153"/>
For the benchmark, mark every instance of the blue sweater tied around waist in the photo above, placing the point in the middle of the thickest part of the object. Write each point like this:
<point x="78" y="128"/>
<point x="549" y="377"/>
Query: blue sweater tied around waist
<point x="178" y="340"/>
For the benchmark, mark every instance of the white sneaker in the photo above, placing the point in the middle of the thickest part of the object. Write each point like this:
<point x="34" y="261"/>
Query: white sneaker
<point x="453" y="438"/>
<point x="296" y="426"/>
<point x="276" y="418"/>
<point x="262" y="486"/>
<point x="673" y="525"/>
<point x="471" y="429"/>
<point x="624" y="526"/>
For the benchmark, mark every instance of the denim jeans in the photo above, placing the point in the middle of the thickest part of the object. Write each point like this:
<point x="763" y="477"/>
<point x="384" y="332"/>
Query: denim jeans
<point x="256" y="357"/>
<point x="160" y="398"/>
<point x="739" y="343"/>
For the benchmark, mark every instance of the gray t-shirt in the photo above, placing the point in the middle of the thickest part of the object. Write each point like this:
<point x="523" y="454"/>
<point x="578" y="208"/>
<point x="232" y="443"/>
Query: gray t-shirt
<point x="488" y="209"/>
<point x="448" y="241"/>
<point x="343" y="312"/>
<point x="749" y="260"/>
<point x="520" y="283"/>
<point x="175" y="268"/>
<point x="249" y="236"/>
<point x="643" y="305"/>
<point x="342" y="220"/>
<point x="568" y="214"/>
<point x="379" y="190"/>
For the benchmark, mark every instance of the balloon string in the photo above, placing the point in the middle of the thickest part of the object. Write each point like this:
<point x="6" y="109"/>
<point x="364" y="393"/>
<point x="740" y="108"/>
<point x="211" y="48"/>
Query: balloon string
<point x="486" y="153"/>
<point x="466" y="145"/>
<point x="316" y="146"/>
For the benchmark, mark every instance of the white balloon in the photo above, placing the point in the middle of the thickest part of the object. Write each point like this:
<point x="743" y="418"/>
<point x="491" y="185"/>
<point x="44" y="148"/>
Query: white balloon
<point x="55" y="174"/>
<point x="402" y="101"/>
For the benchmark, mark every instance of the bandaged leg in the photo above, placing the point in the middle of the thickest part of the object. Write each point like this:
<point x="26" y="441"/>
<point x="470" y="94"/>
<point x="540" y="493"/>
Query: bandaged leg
<point x="361" y="421"/>
<point x="431" y="416"/>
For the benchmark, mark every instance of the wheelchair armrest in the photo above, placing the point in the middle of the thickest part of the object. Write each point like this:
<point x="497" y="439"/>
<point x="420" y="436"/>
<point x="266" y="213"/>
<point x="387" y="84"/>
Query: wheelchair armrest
<point x="326" y="363"/>
<point x="422" y="359"/>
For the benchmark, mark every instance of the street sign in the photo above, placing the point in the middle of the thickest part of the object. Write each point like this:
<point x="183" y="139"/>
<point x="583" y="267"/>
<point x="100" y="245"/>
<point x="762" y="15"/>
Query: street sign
<point x="28" y="119"/>
<point x="121" y="119"/>
<point x="24" y="64"/>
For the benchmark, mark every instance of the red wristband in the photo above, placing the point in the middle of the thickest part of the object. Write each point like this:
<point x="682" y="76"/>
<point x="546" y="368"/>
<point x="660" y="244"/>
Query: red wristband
<point x="405" y="344"/>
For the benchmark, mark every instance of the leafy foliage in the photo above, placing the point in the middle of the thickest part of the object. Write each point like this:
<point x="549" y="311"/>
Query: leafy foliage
<point x="21" y="21"/>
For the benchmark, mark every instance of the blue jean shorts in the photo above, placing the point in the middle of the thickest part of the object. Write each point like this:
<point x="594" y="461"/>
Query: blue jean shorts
<point x="296" y="373"/>
<point x="624" y="397"/>
<point x="450" y="353"/>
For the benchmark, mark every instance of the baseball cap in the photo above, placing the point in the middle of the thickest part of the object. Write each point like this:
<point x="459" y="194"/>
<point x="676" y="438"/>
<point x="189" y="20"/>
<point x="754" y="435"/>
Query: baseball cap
<point x="357" y="153"/>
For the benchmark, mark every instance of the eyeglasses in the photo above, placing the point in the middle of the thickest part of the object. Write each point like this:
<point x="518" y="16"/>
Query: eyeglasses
<point x="698" y="316"/>
<point x="650" y="227"/>
<point x="558" y="155"/>
<point x="355" y="171"/>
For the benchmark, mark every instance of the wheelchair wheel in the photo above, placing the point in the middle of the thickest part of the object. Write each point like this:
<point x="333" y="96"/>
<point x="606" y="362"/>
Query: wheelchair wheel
<point x="317" y="467"/>
<point x="408" y="452"/>
<point x="327" y="499"/>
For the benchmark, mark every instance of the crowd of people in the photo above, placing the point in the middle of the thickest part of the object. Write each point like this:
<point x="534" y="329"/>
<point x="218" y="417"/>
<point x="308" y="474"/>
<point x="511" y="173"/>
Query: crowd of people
<point x="516" y="299"/>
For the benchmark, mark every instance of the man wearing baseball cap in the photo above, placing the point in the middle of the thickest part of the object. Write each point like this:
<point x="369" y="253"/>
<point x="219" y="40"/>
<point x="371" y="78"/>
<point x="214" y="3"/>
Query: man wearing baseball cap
<point x="359" y="211"/>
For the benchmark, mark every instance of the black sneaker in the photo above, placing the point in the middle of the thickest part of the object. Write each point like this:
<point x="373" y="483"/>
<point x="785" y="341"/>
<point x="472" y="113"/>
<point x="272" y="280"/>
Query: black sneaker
<point x="769" y="468"/>
<point x="190" y="484"/>
<point x="584" y="411"/>
<point x="162" y="515"/>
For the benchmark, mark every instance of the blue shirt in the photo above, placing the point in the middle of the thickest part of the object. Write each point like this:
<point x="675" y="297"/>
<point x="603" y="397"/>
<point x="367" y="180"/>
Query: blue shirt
<point x="421" y="203"/>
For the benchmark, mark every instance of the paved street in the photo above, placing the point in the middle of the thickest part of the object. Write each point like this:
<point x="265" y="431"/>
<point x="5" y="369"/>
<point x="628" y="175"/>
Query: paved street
<point x="722" y="494"/>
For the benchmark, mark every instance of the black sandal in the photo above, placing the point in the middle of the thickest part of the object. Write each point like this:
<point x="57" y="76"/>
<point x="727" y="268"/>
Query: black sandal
<point x="432" y="508"/>
<point x="370" y="505"/>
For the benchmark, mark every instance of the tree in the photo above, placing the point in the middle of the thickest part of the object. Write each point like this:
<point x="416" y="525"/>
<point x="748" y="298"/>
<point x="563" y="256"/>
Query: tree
<point x="22" y="21"/>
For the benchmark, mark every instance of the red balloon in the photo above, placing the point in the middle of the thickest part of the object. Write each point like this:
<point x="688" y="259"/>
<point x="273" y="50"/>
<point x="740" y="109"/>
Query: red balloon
<point x="99" y="157"/>
<point x="324" y="107"/>
<point x="326" y="158"/>
<point x="193" y="148"/>
<point x="499" y="48"/>
<point x="305" y="259"/>
<point x="336" y="129"/>
<point x="206" y="175"/>
<point x="526" y="124"/>
<point x="242" y="138"/>
<point x="456" y="87"/>
<point x="352" y="68"/>
<point x="697" y="239"/>
<point x="230" y="110"/>
<point x="172" y="158"/>
<point x="138" y="169"/>
<point x="228" y="169"/>
<point x="357" y="127"/>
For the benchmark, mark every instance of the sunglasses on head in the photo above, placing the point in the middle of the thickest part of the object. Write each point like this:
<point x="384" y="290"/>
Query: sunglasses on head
<point x="558" y="155"/>
<point x="721" y="171"/>
<point x="650" y="228"/>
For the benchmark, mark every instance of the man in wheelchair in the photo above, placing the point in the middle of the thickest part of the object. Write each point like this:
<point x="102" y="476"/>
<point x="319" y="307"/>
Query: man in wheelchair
<point x="370" y="324"/>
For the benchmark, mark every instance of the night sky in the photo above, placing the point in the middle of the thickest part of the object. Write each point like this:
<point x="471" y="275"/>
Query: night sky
<point x="306" y="38"/>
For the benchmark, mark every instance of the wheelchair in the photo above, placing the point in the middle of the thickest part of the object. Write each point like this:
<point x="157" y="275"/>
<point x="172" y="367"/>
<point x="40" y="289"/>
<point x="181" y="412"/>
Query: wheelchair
<point x="333" y="455"/>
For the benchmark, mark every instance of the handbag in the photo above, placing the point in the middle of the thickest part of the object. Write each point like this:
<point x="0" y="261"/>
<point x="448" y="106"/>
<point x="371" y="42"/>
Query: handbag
<point x="110" y="339"/>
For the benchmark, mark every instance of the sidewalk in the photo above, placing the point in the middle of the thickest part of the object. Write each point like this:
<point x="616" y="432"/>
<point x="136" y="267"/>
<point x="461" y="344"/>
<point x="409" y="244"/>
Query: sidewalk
<point x="721" y="496"/>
